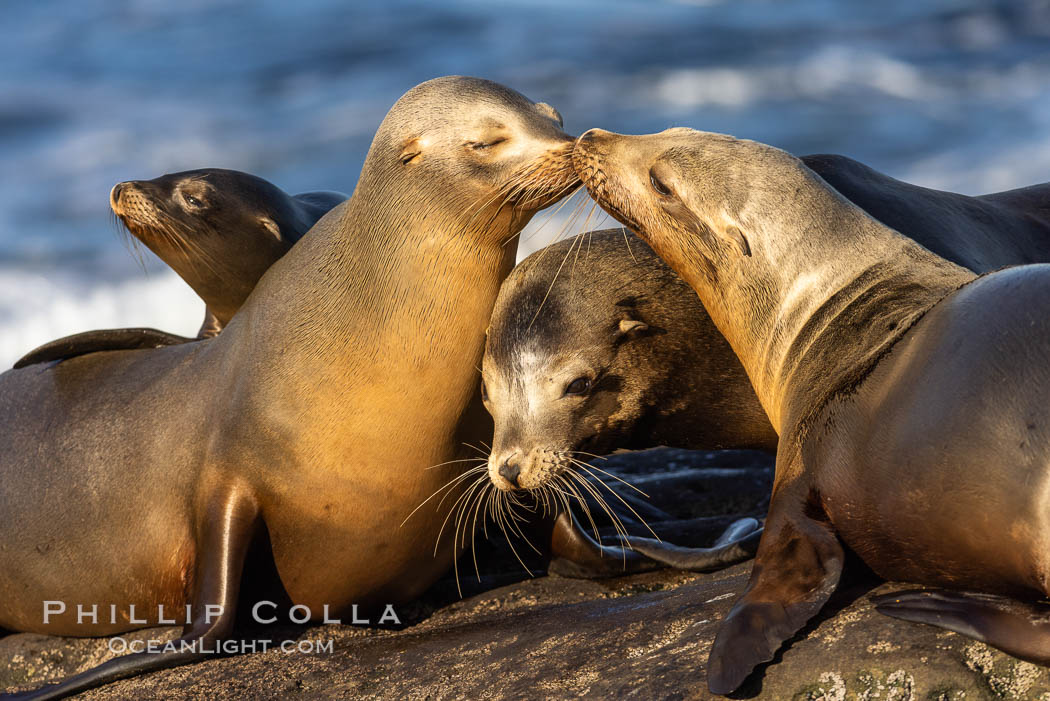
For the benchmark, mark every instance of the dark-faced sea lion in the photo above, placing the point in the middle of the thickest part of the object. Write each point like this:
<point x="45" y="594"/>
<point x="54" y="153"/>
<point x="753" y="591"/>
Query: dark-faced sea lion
<point x="220" y="230"/>
<point x="143" y="477"/>
<point x="909" y="394"/>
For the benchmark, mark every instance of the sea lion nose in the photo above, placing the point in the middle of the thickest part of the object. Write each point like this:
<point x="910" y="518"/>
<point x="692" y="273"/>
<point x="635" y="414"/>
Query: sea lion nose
<point x="510" y="470"/>
<point x="114" y="194"/>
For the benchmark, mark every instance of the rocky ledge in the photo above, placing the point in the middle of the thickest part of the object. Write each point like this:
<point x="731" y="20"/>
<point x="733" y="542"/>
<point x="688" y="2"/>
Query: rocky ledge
<point x="645" y="636"/>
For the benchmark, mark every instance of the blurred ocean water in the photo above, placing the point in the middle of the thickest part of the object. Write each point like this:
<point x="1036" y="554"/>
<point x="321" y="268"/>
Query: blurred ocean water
<point x="952" y="95"/>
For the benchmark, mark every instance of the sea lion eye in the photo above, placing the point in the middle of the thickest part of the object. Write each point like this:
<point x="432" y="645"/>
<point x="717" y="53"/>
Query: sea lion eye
<point x="658" y="185"/>
<point x="484" y="392"/>
<point x="191" y="200"/>
<point x="578" y="386"/>
<point x="482" y="145"/>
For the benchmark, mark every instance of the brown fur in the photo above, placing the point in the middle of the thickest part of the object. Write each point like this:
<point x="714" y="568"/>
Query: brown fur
<point x="908" y="391"/>
<point x="310" y="420"/>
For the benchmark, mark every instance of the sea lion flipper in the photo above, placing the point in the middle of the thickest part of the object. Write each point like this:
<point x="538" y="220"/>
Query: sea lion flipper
<point x="797" y="568"/>
<point x="99" y="340"/>
<point x="737" y="544"/>
<point x="227" y="532"/>
<point x="1021" y="629"/>
<point x="574" y="554"/>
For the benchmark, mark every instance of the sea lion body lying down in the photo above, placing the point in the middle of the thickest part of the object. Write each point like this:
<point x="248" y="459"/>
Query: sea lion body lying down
<point x="909" y="395"/>
<point x="220" y="230"/>
<point x="308" y="425"/>
<point x="596" y="344"/>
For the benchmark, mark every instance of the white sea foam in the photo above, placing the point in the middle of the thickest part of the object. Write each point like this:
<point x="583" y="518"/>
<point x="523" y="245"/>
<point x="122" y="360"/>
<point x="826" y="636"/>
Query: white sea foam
<point x="36" y="308"/>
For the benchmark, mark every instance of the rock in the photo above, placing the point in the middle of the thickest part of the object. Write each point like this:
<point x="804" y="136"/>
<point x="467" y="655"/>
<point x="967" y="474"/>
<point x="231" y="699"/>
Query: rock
<point x="645" y="636"/>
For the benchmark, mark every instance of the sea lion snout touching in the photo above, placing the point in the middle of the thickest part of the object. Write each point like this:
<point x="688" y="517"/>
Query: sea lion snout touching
<point x="908" y="393"/>
<point x="220" y="230"/>
<point x="604" y="305"/>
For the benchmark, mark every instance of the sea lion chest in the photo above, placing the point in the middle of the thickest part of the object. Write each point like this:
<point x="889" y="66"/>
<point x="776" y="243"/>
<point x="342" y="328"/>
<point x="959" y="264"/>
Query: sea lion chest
<point x="937" y="468"/>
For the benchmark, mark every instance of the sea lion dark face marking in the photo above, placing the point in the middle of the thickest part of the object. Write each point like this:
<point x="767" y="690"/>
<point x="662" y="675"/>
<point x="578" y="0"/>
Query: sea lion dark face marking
<point x="613" y="351"/>
<point x="220" y="230"/>
<point x="553" y="405"/>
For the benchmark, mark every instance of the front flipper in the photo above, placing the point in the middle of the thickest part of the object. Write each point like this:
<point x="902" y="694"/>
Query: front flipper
<point x="228" y="530"/>
<point x="797" y="568"/>
<point x="1019" y="628"/>
<point x="99" y="340"/>
<point x="574" y="554"/>
<point x="737" y="544"/>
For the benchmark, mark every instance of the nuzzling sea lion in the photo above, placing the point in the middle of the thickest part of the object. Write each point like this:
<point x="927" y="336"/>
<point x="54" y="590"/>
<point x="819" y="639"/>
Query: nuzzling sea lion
<point x="220" y="230"/>
<point x="307" y="426"/>
<point x="910" y="395"/>
<point x="596" y="344"/>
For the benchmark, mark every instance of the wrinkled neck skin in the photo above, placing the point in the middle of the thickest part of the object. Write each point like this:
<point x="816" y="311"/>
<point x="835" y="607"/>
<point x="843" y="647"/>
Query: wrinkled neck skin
<point x="376" y="307"/>
<point x="825" y="292"/>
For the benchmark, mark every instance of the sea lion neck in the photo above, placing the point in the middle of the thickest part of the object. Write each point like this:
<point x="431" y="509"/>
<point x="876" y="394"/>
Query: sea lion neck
<point x="404" y="313"/>
<point x="826" y="291"/>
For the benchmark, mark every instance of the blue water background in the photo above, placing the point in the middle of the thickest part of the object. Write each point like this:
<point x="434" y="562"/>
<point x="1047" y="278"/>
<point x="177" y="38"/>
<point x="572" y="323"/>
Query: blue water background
<point x="953" y="95"/>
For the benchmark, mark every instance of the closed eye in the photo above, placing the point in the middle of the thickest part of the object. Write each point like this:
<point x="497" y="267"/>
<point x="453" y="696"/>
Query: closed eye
<point x="658" y="185"/>
<point x="482" y="145"/>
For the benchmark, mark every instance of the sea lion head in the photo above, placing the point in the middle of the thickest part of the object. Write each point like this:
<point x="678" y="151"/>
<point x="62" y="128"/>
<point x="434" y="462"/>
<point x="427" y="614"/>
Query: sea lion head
<point x="220" y="230"/>
<point x="487" y="156"/>
<point x="579" y="349"/>
<point x="692" y="195"/>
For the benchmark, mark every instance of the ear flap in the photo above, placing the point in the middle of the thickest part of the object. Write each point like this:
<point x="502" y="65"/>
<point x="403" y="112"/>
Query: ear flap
<point x="632" y="327"/>
<point x="410" y="150"/>
<point x="271" y="226"/>
<point x="550" y="112"/>
<point x="736" y="236"/>
<point x="731" y="234"/>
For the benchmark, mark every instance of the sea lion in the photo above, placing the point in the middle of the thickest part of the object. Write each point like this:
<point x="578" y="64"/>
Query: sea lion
<point x="596" y="344"/>
<point x="220" y="230"/>
<point x="308" y="425"/>
<point x="910" y="394"/>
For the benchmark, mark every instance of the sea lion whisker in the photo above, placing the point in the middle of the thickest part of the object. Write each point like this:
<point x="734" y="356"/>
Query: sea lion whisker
<point x="483" y="453"/>
<point x="566" y="226"/>
<point x="585" y="468"/>
<point x="442" y="488"/>
<point x="551" y="287"/>
<point x="449" y="462"/>
<point x="455" y="508"/>
<point x="502" y="522"/>
<point x="613" y="516"/>
<point x="472" y="471"/>
<point x="551" y="214"/>
<point x="586" y="221"/>
<point x="583" y="504"/>
<point x="614" y="476"/>
<point x="131" y="242"/>
<point x="583" y="452"/>
<point x="463" y="513"/>
<point x="478" y="501"/>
